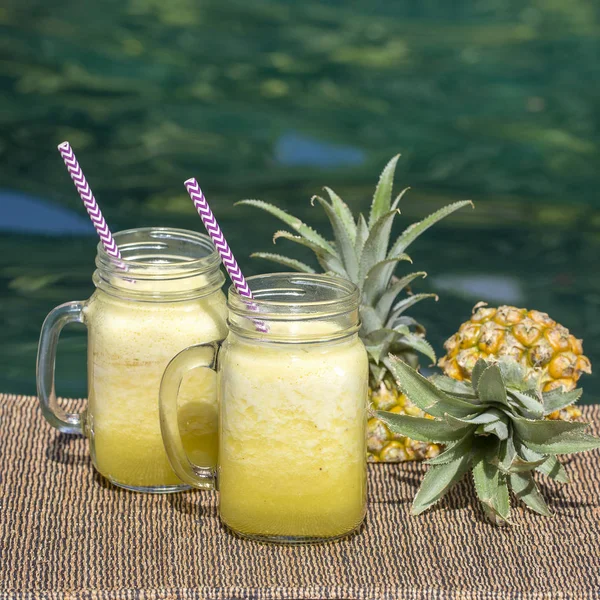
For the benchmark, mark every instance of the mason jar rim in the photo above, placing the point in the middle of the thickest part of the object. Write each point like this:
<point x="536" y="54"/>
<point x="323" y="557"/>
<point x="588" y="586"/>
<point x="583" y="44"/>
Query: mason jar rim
<point x="159" y="264"/>
<point x="346" y="300"/>
<point x="209" y="261"/>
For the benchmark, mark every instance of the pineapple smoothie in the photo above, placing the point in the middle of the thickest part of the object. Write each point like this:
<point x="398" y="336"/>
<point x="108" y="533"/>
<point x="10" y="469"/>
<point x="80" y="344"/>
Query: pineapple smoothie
<point x="129" y="346"/>
<point x="292" y="434"/>
<point x="292" y="380"/>
<point x="159" y="296"/>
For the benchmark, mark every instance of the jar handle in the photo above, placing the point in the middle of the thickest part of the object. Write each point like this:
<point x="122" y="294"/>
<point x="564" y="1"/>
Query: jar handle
<point x="201" y="356"/>
<point x="71" y="312"/>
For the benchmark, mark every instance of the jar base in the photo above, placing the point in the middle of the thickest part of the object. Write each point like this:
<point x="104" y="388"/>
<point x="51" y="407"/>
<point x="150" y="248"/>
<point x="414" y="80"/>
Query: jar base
<point x="291" y="540"/>
<point x="153" y="489"/>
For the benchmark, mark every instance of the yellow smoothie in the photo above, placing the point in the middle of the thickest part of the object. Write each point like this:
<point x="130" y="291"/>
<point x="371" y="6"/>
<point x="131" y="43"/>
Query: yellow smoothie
<point x="129" y="346"/>
<point x="292" y="444"/>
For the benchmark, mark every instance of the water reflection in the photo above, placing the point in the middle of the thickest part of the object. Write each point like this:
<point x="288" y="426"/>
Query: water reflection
<point x="294" y="149"/>
<point x="272" y="99"/>
<point x="27" y="214"/>
<point x="501" y="289"/>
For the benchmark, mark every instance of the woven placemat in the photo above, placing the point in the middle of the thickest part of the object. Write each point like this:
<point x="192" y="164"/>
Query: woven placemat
<point x="65" y="533"/>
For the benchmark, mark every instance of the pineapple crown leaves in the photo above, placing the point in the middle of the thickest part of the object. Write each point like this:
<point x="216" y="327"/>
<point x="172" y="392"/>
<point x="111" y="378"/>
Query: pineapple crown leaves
<point x="493" y="426"/>
<point x="382" y="197"/>
<point x="361" y="253"/>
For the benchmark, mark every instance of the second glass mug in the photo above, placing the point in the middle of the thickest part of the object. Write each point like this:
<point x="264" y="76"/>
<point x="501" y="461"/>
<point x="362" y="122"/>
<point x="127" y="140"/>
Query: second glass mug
<point x="292" y="411"/>
<point x="164" y="296"/>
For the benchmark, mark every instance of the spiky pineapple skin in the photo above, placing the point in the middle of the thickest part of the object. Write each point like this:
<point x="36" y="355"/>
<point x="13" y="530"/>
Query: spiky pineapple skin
<point x="382" y="444"/>
<point x="531" y="337"/>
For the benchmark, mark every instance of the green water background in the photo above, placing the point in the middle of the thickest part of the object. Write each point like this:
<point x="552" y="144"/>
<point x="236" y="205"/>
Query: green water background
<point x="492" y="100"/>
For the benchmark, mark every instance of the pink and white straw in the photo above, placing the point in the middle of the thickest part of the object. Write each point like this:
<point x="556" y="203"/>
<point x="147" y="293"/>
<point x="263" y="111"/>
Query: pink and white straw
<point x="88" y="199"/>
<point x="216" y="235"/>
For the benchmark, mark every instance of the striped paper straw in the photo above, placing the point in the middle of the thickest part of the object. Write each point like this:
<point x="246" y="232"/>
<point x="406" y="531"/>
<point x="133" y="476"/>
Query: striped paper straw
<point x="216" y="235"/>
<point x="89" y="201"/>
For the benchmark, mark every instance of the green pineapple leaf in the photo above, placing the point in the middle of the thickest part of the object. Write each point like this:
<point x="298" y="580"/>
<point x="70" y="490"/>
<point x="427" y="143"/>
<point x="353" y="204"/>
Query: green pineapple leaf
<point x="490" y="482"/>
<point x="375" y="249"/>
<point x="343" y="241"/>
<point x="490" y="386"/>
<point x="384" y="304"/>
<point x="413" y="341"/>
<point x="375" y="336"/>
<point x="499" y="428"/>
<point x="377" y="373"/>
<point x="544" y="431"/>
<point x="379" y="341"/>
<point x="549" y="465"/>
<point x="383" y="192"/>
<point x="298" y="239"/>
<point x="370" y="319"/>
<point x="529" y="405"/>
<point x="404" y="304"/>
<point x="411" y="233"/>
<point x="295" y="223"/>
<point x="399" y="198"/>
<point x="520" y="465"/>
<point x="438" y="481"/>
<point x="491" y="415"/>
<point x="291" y="263"/>
<point x="514" y="375"/>
<point x="423" y="429"/>
<point x="453" y="451"/>
<point x="375" y="352"/>
<point x="512" y="462"/>
<point x="343" y="212"/>
<point x="423" y="393"/>
<point x="328" y="261"/>
<point x="506" y="455"/>
<point x="410" y="322"/>
<point x="362" y="233"/>
<point x="371" y="284"/>
<point x="452" y="386"/>
<point x="478" y="369"/>
<point x="567" y="444"/>
<point x="552" y="468"/>
<point x="557" y="399"/>
<point x="526" y="490"/>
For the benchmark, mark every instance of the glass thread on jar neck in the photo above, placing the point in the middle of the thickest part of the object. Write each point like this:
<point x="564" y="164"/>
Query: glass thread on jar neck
<point x="296" y="308"/>
<point x="162" y="264"/>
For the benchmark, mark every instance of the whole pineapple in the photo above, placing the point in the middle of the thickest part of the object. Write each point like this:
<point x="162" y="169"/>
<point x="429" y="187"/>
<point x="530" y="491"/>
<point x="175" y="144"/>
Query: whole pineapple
<point x="360" y="253"/>
<point x="530" y="337"/>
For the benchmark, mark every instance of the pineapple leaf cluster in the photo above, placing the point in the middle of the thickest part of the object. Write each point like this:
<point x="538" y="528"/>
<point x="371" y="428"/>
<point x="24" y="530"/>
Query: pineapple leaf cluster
<point x="494" y="426"/>
<point x="361" y="252"/>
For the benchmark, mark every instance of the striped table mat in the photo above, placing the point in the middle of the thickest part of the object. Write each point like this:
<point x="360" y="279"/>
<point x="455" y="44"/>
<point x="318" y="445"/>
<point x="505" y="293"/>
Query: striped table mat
<point x="65" y="533"/>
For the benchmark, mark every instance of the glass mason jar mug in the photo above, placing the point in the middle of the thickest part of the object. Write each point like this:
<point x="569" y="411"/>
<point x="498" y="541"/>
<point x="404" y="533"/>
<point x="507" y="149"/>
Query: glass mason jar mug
<point x="162" y="297"/>
<point x="293" y="401"/>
